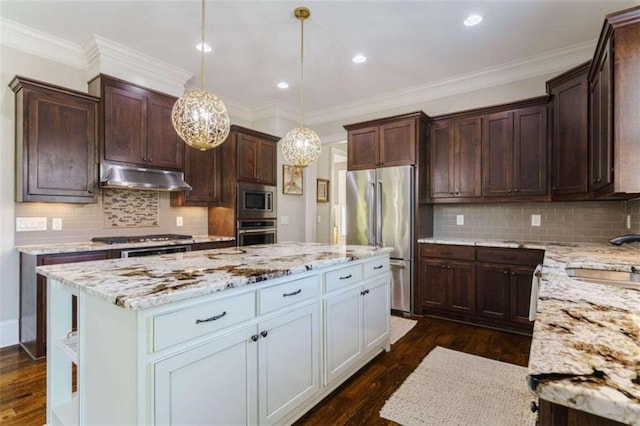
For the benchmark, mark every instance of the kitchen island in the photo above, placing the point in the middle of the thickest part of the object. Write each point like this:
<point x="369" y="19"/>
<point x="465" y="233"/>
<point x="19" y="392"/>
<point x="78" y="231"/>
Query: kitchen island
<point x="251" y="335"/>
<point x="585" y="350"/>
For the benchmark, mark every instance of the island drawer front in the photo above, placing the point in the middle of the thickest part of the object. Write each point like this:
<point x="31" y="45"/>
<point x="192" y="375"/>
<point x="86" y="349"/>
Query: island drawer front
<point x="525" y="257"/>
<point x="448" y="251"/>
<point x="342" y="277"/>
<point x="376" y="267"/>
<point x="289" y="293"/>
<point x="195" y="321"/>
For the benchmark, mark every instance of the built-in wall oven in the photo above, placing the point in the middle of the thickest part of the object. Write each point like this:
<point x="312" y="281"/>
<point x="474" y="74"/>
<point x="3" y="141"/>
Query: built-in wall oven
<point x="256" y="201"/>
<point x="250" y="232"/>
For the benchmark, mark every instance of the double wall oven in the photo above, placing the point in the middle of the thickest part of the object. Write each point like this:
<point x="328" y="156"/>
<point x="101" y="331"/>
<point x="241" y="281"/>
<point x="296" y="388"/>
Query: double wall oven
<point x="256" y="214"/>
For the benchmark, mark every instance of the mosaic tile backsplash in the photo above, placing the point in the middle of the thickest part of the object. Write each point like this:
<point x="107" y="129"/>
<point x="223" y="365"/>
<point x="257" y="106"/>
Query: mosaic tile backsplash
<point x="127" y="208"/>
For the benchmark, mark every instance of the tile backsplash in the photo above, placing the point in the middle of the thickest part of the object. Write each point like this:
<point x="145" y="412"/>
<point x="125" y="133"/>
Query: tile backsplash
<point x="130" y="208"/>
<point x="81" y="222"/>
<point x="585" y="222"/>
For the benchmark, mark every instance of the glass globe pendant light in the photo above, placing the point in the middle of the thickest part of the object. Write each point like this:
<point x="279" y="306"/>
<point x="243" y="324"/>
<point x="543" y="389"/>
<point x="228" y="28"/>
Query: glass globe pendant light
<point x="301" y="145"/>
<point x="199" y="117"/>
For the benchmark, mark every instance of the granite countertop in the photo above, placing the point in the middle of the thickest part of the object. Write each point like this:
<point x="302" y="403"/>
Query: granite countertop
<point x="585" y="350"/>
<point x="143" y="282"/>
<point x="90" y="246"/>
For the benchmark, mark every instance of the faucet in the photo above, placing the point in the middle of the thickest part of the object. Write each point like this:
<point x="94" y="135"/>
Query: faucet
<point x="629" y="238"/>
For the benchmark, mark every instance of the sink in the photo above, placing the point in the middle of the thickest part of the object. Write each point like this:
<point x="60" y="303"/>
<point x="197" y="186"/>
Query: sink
<point x="599" y="276"/>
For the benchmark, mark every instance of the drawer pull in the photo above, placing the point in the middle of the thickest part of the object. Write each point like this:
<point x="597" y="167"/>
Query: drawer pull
<point x="213" y="318"/>
<point x="378" y="267"/>
<point x="264" y="333"/>
<point x="293" y="293"/>
<point x="346" y="277"/>
<point x="255" y="337"/>
<point x="362" y="293"/>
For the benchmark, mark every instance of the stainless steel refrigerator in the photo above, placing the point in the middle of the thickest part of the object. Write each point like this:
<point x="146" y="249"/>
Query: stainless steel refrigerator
<point x="380" y="212"/>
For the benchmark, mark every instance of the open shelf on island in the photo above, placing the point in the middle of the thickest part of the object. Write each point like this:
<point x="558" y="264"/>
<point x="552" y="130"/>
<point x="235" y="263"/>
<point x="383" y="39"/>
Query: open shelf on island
<point x="69" y="347"/>
<point x="66" y="413"/>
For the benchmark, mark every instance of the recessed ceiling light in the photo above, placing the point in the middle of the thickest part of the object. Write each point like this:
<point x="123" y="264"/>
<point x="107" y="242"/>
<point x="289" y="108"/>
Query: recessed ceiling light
<point x="207" y="48"/>
<point x="472" y="20"/>
<point x="283" y="85"/>
<point x="359" y="59"/>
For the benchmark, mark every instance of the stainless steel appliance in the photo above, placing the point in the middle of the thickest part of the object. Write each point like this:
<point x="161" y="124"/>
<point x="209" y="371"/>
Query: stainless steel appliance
<point x="256" y="201"/>
<point x="148" y="251"/>
<point x="250" y="232"/>
<point x="380" y="210"/>
<point x="152" y="251"/>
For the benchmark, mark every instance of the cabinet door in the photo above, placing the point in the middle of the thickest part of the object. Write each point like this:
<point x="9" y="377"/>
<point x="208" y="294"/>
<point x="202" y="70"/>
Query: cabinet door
<point x="520" y="294"/>
<point x="441" y="160"/>
<point x="376" y="310"/>
<point x="398" y="143"/>
<point x="432" y="284"/>
<point x="461" y="296"/>
<point x="363" y="148"/>
<point x="493" y="291"/>
<point x="497" y="154"/>
<point x="468" y="136"/>
<point x="164" y="146"/>
<point x="191" y="388"/>
<point x="343" y="332"/>
<point x="267" y="160"/>
<point x="530" y="151"/>
<point x="125" y="124"/>
<point x="601" y="145"/>
<point x="202" y="170"/>
<point x="247" y="158"/>
<point x="288" y="363"/>
<point x="60" y="159"/>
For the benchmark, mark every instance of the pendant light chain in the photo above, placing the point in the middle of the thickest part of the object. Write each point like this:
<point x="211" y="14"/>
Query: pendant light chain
<point x="202" y="51"/>
<point x="302" y="73"/>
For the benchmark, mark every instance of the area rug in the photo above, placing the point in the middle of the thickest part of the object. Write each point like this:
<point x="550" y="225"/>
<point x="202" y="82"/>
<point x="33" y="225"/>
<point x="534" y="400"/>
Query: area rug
<point x="455" y="388"/>
<point x="399" y="327"/>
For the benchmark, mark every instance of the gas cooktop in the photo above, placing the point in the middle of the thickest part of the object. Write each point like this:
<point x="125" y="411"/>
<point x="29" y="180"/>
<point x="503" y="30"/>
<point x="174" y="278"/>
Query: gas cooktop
<point x="141" y="238"/>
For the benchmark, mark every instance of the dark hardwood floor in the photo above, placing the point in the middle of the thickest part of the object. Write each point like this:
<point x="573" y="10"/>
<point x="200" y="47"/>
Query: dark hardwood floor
<point x="357" y="402"/>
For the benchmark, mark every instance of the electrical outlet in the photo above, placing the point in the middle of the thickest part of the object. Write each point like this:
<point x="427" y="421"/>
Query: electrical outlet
<point x="24" y="224"/>
<point x="56" y="223"/>
<point x="628" y="221"/>
<point x="319" y="219"/>
<point x="179" y="221"/>
<point x="284" y="220"/>
<point x="535" y="220"/>
<point x="460" y="219"/>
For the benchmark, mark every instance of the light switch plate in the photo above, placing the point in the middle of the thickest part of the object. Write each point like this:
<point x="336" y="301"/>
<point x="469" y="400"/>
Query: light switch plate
<point x="284" y="220"/>
<point x="535" y="220"/>
<point x="460" y="219"/>
<point x="319" y="219"/>
<point x="628" y="221"/>
<point x="24" y="224"/>
<point x="56" y="223"/>
<point x="179" y="221"/>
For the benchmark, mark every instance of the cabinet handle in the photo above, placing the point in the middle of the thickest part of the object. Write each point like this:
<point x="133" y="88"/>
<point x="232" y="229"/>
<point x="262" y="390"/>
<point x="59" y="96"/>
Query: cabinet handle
<point x="378" y="267"/>
<point x="451" y="193"/>
<point x="538" y="274"/>
<point x="554" y="187"/>
<point x="264" y="333"/>
<point x="509" y="191"/>
<point x="90" y="191"/>
<point x="533" y="406"/>
<point x="362" y="293"/>
<point x="144" y="159"/>
<point x="255" y="337"/>
<point x="151" y="160"/>
<point x="293" y="293"/>
<point x="594" y="181"/>
<point x="444" y="266"/>
<point x="457" y="192"/>
<point x="517" y="190"/>
<point x="346" y="277"/>
<point x="213" y="318"/>
<point x="448" y="267"/>
<point x="513" y="273"/>
<point x="505" y="272"/>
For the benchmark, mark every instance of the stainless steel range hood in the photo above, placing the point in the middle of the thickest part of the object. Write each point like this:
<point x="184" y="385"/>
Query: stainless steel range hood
<point x="117" y="176"/>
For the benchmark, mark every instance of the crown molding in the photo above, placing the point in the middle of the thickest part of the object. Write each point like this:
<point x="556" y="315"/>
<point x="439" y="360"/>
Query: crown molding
<point x="27" y="39"/>
<point x="274" y="109"/>
<point x="107" y="57"/>
<point x="553" y="61"/>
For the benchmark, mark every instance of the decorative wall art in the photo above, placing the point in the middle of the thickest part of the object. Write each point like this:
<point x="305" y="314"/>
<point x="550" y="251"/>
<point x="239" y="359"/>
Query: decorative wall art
<point x="291" y="180"/>
<point x="322" y="190"/>
<point x="131" y="208"/>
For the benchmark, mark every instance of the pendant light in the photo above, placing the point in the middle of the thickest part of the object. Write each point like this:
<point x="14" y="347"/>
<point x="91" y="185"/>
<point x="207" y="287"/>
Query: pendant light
<point x="199" y="117"/>
<point x="301" y="145"/>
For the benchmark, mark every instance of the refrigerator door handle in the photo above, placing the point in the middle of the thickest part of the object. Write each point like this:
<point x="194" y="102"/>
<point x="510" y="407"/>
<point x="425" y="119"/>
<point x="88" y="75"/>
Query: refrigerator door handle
<point x="372" y="237"/>
<point x="397" y="265"/>
<point x="378" y="241"/>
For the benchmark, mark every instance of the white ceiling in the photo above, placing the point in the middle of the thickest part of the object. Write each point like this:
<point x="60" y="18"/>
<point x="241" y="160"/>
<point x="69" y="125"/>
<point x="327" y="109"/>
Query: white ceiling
<point x="257" y="43"/>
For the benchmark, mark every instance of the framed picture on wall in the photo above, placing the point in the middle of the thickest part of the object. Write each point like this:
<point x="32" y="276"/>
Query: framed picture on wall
<point x="291" y="180"/>
<point x="322" y="190"/>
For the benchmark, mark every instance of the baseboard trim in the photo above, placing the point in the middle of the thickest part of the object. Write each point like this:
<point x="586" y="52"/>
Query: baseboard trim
<point x="8" y="333"/>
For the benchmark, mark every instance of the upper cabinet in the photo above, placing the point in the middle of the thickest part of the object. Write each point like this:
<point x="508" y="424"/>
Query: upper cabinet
<point x="56" y="143"/>
<point x="384" y="142"/>
<point x="569" y="134"/>
<point x="202" y="171"/>
<point x="257" y="158"/>
<point x="614" y="96"/>
<point x="136" y="125"/>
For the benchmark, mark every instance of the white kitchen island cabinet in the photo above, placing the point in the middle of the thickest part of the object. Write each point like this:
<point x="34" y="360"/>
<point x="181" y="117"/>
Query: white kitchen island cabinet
<point x="236" y="336"/>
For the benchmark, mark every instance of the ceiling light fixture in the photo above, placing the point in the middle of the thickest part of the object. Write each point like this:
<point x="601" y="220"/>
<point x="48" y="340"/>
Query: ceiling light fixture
<point x="359" y="59"/>
<point x="199" y="117"/>
<point x="301" y="146"/>
<point x="472" y="20"/>
<point x="207" y="48"/>
<point x="283" y="85"/>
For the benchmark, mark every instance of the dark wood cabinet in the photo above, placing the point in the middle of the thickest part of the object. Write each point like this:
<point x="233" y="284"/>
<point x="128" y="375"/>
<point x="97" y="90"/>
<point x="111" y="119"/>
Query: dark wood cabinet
<point x="136" y="125"/>
<point x="202" y="170"/>
<point x="493" y="291"/>
<point x="552" y="414"/>
<point x="257" y="159"/>
<point x="212" y="245"/>
<point x="384" y="142"/>
<point x="56" y="143"/>
<point x="455" y="158"/>
<point x="33" y="296"/>
<point x="569" y="134"/>
<point x="514" y="151"/>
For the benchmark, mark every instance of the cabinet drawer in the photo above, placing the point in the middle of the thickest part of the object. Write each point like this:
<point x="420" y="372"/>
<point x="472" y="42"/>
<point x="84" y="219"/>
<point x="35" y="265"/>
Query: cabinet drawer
<point x="376" y="267"/>
<point x="342" y="277"/>
<point x="195" y="321"/>
<point x="510" y="256"/>
<point x="286" y="294"/>
<point x="448" y="251"/>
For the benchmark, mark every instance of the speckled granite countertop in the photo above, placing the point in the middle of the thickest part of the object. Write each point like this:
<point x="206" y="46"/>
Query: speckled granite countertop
<point x="142" y="282"/>
<point x="89" y="246"/>
<point x="585" y="351"/>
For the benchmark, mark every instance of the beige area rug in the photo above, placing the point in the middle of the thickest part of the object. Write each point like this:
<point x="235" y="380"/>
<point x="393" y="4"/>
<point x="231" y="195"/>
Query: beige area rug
<point x="399" y="327"/>
<point x="455" y="388"/>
